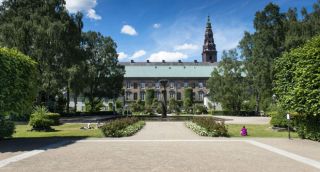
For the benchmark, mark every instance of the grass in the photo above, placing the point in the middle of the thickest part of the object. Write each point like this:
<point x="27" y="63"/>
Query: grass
<point x="65" y="130"/>
<point x="258" y="131"/>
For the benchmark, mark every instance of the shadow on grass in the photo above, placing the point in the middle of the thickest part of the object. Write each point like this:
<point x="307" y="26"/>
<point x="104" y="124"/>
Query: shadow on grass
<point x="12" y="145"/>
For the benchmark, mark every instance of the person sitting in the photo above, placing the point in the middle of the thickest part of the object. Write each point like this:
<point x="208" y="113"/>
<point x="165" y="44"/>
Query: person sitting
<point x="244" y="131"/>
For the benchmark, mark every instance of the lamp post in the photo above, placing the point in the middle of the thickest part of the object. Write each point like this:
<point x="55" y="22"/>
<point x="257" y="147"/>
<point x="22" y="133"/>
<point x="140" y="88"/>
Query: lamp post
<point x="164" y="83"/>
<point x="288" y="118"/>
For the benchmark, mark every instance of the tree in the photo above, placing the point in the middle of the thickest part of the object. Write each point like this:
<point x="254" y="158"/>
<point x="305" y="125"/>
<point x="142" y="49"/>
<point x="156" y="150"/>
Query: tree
<point x="46" y="32"/>
<point x="260" y="49"/>
<point x="228" y="84"/>
<point x="104" y="76"/>
<point x="188" y="100"/>
<point x="149" y="97"/>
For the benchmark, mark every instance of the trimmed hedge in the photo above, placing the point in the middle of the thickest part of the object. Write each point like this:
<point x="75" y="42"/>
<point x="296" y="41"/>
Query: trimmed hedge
<point x="54" y="117"/>
<point x="308" y="126"/>
<point x="6" y="127"/>
<point x="208" y="126"/>
<point x="231" y="113"/>
<point x="122" y="127"/>
<point x="100" y="113"/>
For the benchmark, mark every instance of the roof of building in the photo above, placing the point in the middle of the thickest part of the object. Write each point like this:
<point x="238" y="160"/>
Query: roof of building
<point x="168" y="69"/>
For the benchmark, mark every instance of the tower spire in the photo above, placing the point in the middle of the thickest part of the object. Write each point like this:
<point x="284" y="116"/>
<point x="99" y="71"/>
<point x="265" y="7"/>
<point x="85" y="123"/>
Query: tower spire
<point x="209" y="52"/>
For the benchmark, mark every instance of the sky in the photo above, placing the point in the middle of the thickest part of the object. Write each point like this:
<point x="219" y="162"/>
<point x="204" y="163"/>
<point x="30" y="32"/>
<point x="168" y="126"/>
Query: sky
<point x="172" y="30"/>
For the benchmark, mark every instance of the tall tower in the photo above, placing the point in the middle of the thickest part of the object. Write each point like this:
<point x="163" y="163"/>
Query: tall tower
<point x="209" y="52"/>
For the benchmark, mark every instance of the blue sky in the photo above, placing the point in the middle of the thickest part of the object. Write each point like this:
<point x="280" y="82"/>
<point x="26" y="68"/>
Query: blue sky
<point x="172" y="29"/>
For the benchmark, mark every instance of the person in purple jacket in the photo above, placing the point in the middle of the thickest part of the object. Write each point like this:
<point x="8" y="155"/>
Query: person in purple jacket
<point x="244" y="131"/>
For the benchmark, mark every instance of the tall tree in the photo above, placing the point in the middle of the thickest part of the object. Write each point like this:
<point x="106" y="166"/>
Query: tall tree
<point x="104" y="75"/>
<point x="228" y="84"/>
<point x="46" y="32"/>
<point x="261" y="48"/>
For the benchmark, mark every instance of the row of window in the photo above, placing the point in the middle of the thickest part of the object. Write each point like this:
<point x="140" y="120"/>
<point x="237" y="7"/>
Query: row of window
<point x="172" y="85"/>
<point x="158" y="95"/>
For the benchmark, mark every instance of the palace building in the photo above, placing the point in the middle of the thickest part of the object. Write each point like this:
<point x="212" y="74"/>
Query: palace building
<point x="180" y="75"/>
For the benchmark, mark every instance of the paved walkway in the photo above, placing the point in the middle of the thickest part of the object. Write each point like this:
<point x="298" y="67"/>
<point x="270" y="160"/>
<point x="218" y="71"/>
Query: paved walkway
<point x="245" y="120"/>
<point x="169" y="146"/>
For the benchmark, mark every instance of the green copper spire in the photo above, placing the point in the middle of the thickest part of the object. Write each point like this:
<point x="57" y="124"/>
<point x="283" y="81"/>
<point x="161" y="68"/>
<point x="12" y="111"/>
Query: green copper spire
<point x="208" y="22"/>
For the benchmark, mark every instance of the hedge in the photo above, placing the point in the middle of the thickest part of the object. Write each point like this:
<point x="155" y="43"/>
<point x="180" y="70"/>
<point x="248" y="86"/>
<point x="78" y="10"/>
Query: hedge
<point x="231" y="113"/>
<point x="18" y="77"/>
<point x="122" y="127"/>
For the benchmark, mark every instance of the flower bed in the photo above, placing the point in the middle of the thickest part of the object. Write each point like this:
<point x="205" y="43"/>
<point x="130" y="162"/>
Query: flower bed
<point x="207" y="126"/>
<point x="122" y="127"/>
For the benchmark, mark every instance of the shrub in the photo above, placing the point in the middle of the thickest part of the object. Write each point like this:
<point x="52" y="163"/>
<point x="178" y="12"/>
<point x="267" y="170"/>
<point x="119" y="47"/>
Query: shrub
<point x="39" y="120"/>
<point x="149" y="97"/>
<point x="188" y="100"/>
<point x="308" y="126"/>
<point x="278" y="119"/>
<point x="200" y="109"/>
<point x="211" y="126"/>
<point x="6" y="127"/>
<point x="231" y="113"/>
<point x="122" y="127"/>
<point x="18" y="77"/>
<point x="54" y="117"/>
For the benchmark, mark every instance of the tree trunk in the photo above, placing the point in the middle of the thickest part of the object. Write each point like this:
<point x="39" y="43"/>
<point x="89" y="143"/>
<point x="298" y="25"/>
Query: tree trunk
<point x="257" y="110"/>
<point x="75" y="99"/>
<point x="68" y="98"/>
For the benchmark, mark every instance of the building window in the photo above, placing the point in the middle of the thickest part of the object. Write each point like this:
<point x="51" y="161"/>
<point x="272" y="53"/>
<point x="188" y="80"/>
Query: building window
<point x="135" y="85"/>
<point x="201" y="96"/>
<point x="200" y="84"/>
<point x="142" y="96"/>
<point x="128" y="94"/>
<point x="178" y="85"/>
<point x="171" y="94"/>
<point x="186" y="84"/>
<point x="158" y="95"/>
<point x="178" y="96"/>
<point x="157" y="85"/>
<point x="171" y="85"/>
<point x="194" y="85"/>
<point x="135" y="96"/>
<point x="143" y="85"/>
<point x="128" y="85"/>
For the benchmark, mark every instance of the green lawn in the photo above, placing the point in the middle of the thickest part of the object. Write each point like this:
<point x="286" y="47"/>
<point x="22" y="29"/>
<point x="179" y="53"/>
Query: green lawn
<point x="257" y="131"/>
<point x="65" y="130"/>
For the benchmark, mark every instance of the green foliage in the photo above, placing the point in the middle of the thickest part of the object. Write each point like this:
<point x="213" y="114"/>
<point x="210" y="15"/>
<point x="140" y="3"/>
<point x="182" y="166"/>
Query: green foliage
<point x="104" y="76"/>
<point x="137" y="106"/>
<point x="149" y="97"/>
<point x="207" y="126"/>
<point x="228" y="84"/>
<point x="188" y="100"/>
<point x="40" y="120"/>
<point x="200" y="109"/>
<point x="122" y="127"/>
<point x="173" y="106"/>
<point x="45" y="31"/>
<point x="6" y="127"/>
<point x="17" y="82"/>
<point x="297" y="79"/>
<point x="119" y="104"/>
<point x="54" y="117"/>
<point x="308" y="127"/>
<point x="94" y="106"/>
<point x="231" y="113"/>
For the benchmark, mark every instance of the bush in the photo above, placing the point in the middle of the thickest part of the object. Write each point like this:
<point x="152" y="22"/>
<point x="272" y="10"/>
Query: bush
<point x="54" y="117"/>
<point x="18" y="77"/>
<point x="210" y="126"/>
<point x="6" y="127"/>
<point x="308" y="126"/>
<point x="122" y="127"/>
<point x="39" y="120"/>
<point x="231" y="113"/>
<point x="200" y="109"/>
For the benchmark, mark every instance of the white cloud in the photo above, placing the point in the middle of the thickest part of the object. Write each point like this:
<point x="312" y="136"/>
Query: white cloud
<point x="129" y="30"/>
<point x="186" y="46"/>
<point x="167" y="56"/>
<point x="85" y="6"/>
<point x="156" y="25"/>
<point x="138" y="54"/>
<point x="122" y="55"/>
